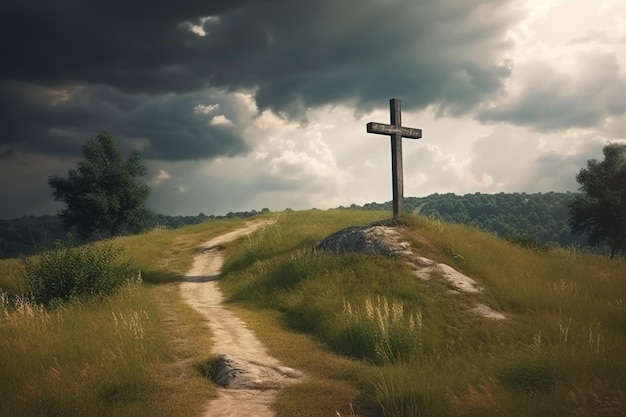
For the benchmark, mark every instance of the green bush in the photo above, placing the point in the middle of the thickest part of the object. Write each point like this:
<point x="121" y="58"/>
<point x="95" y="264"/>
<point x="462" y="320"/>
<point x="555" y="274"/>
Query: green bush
<point x="67" y="272"/>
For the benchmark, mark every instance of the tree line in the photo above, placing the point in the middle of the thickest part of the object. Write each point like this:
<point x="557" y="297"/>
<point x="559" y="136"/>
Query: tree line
<point x="543" y="216"/>
<point x="27" y="234"/>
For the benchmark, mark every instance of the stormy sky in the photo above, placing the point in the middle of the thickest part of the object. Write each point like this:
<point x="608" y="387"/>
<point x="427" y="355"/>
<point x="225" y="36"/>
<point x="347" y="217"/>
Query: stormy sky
<point x="246" y="104"/>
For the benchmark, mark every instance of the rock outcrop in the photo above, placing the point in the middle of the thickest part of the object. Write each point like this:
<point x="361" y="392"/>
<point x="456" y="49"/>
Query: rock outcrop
<point x="385" y="238"/>
<point x="379" y="237"/>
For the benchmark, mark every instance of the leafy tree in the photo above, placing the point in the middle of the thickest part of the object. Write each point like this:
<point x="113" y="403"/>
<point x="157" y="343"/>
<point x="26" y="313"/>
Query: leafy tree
<point x="601" y="210"/>
<point x="103" y="195"/>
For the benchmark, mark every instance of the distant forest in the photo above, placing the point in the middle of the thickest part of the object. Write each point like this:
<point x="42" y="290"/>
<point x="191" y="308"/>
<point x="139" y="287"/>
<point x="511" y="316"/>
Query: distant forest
<point x="26" y="234"/>
<point x="539" y="217"/>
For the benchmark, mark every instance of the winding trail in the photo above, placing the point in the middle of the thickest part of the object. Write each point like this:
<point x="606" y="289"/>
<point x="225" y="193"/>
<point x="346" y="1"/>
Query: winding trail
<point x="249" y="376"/>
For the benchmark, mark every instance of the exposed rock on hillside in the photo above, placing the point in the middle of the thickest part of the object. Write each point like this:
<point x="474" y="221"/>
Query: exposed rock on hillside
<point x="379" y="237"/>
<point x="384" y="238"/>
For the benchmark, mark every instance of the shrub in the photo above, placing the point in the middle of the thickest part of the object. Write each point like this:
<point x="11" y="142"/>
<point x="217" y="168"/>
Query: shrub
<point x="67" y="271"/>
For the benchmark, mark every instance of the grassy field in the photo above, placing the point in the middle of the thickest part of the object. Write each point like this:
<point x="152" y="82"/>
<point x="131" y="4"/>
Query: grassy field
<point x="421" y="350"/>
<point x="373" y="339"/>
<point x="132" y="354"/>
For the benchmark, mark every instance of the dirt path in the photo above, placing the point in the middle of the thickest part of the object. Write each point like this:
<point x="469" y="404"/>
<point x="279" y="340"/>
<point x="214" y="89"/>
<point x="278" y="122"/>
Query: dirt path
<point x="249" y="376"/>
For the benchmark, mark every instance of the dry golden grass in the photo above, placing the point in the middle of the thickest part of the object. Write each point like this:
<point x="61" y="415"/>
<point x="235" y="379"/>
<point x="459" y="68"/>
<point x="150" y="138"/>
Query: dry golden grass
<point x="131" y="354"/>
<point x="559" y="354"/>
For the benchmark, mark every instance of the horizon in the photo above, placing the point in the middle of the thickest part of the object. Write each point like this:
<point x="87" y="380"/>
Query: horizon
<point x="233" y="106"/>
<point x="348" y="206"/>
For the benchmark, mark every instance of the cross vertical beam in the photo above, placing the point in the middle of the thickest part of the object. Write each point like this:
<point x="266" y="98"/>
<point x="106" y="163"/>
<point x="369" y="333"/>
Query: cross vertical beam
<point x="397" y="173"/>
<point x="396" y="131"/>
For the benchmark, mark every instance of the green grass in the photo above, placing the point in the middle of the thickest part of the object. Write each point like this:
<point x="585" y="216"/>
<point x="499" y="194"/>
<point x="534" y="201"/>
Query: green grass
<point x="67" y="272"/>
<point x="367" y="333"/>
<point x="130" y="354"/>
<point x="560" y="352"/>
<point x="66" y="361"/>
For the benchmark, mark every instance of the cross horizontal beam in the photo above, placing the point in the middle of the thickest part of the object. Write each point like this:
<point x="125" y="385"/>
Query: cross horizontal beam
<point x="385" y="129"/>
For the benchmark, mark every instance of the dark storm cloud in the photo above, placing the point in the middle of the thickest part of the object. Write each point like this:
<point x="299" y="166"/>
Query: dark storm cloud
<point x="73" y="68"/>
<point x="307" y="54"/>
<point x="165" y="126"/>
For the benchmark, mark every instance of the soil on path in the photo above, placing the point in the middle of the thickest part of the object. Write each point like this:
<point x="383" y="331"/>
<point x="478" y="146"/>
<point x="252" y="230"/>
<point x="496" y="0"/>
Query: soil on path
<point x="249" y="376"/>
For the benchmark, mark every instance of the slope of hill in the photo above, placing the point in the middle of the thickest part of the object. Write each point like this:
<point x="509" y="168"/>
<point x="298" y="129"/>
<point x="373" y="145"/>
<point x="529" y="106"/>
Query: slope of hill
<point x="365" y="330"/>
<point x="421" y="348"/>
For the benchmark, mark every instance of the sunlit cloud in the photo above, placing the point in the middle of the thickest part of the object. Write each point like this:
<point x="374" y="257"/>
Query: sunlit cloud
<point x="161" y="177"/>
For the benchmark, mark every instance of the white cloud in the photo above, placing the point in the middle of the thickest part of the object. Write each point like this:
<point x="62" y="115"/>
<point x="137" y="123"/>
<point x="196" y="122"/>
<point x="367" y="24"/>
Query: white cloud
<point x="200" y="29"/>
<point x="161" y="177"/>
<point x="60" y="96"/>
<point x="206" y="108"/>
<point x="220" y="120"/>
<point x="247" y="99"/>
<point x="441" y="172"/>
<point x="568" y="71"/>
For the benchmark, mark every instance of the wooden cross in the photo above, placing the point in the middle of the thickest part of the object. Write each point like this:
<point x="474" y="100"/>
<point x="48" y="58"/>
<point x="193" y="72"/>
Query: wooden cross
<point x="397" y="132"/>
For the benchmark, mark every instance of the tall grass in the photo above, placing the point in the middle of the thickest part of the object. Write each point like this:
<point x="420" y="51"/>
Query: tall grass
<point x="70" y="360"/>
<point x="131" y="353"/>
<point x="380" y="331"/>
<point x="364" y="329"/>
<point x="559" y="352"/>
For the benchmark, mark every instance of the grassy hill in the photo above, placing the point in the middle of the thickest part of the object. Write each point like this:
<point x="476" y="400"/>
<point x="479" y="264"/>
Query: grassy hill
<point x="365" y="330"/>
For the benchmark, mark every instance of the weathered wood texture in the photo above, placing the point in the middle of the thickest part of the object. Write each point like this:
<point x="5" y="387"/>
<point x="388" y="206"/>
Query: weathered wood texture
<point x="397" y="132"/>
